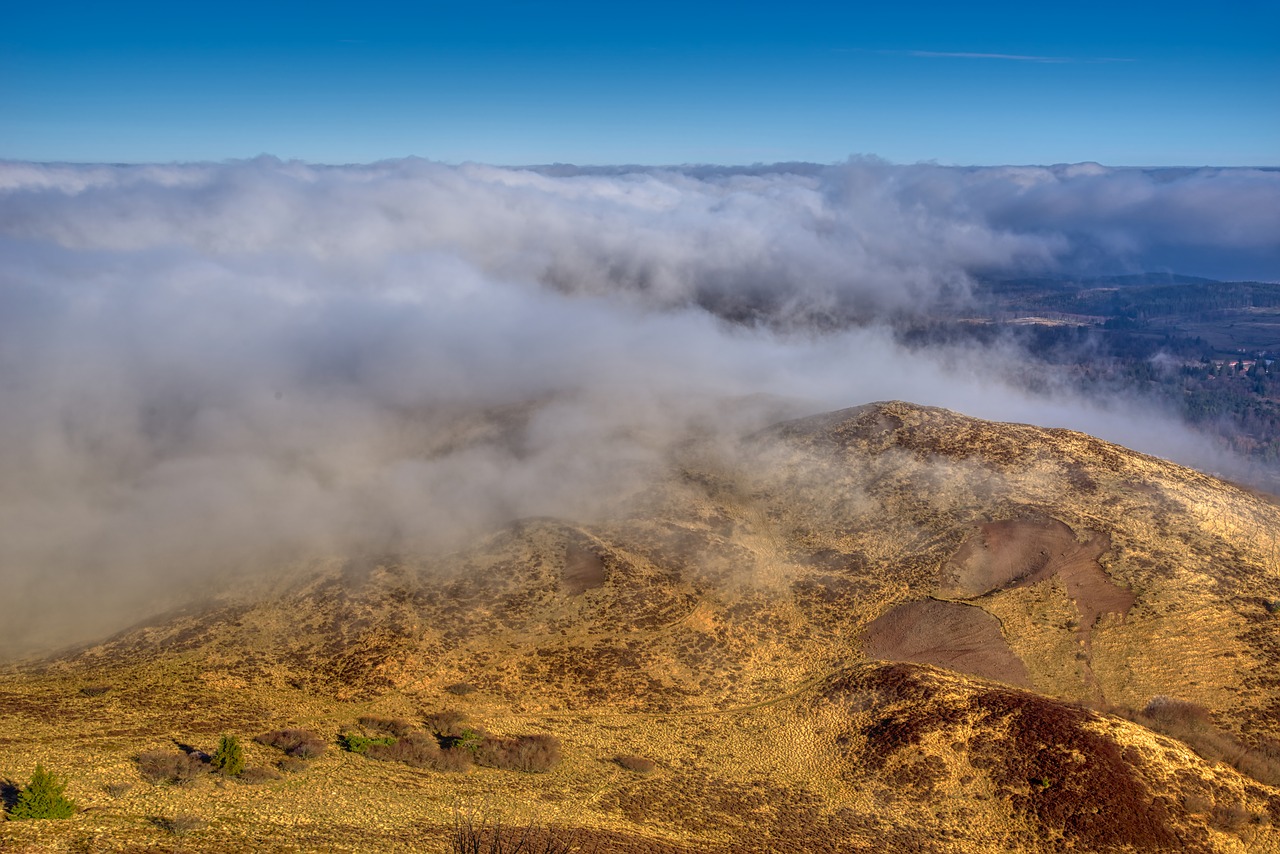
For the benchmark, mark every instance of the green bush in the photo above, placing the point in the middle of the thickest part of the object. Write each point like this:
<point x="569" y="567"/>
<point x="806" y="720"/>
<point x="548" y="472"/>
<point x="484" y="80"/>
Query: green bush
<point x="229" y="757"/>
<point x="467" y="739"/>
<point x="43" y="797"/>
<point x="356" y="743"/>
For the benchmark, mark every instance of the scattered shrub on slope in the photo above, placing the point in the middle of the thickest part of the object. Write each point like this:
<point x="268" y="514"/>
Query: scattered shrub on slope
<point x="42" y="798"/>
<point x="228" y="759"/>
<point x="170" y="766"/>
<point x="300" y="743"/>
<point x="415" y="748"/>
<point x="531" y="753"/>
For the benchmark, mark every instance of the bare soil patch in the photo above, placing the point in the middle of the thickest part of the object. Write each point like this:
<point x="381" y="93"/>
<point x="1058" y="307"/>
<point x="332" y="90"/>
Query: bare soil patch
<point x="583" y="570"/>
<point x="1022" y="552"/>
<point x="945" y="634"/>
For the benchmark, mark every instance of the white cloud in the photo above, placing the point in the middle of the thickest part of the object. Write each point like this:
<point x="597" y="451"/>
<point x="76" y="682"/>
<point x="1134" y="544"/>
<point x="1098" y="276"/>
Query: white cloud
<point x="211" y="366"/>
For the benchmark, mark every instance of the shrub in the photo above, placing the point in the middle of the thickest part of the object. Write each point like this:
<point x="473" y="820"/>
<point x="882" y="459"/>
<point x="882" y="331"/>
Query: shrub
<point x="178" y="825"/>
<point x="228" y="759"/>
<point x="494" y="752"/>
<point x="530" y="753"/>
<point x="42" y="798"/>
<point x="467" y="738"/>
<point x="1257" y="764"/>
<point x="94" y="690"/>
<point x="1197" y="804"/>
<point x="294" y="765"/>
<point x="118" y="790"/>
<point x="417" y="749"/>
<point x="300" y="743"/>
<point x="1178" y="713"/>
<point x="455" y="759"/>
<point x="447" y="723"/>
<point x="1231" y="816"/>
<point x="1193" y="725"/>
<point x="398" y="727"/>
<point x="491" y="835"/>
<point x="168" y="766"/>
<point x="638" y="764"/>
<point x="356" y="743"/>
<point x="461" y="689"/>
<point x="537" y="752"/>
<point x="259" y="774"/>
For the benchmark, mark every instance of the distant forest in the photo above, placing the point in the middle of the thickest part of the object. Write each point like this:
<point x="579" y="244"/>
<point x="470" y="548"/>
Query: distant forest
<point x="1208" y="350"/>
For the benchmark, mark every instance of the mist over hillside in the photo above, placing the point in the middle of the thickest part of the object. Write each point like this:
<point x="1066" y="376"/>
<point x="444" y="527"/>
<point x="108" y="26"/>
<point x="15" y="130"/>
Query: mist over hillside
<point x="223" y="366"/>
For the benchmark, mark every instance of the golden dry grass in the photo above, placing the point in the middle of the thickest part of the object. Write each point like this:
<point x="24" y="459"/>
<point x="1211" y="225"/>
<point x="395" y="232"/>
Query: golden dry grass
<point x="718" y="629"/>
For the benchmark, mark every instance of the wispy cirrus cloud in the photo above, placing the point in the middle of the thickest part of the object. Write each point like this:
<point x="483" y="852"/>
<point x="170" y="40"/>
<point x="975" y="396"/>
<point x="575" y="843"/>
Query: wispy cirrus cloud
<point x="1015" y="57"/>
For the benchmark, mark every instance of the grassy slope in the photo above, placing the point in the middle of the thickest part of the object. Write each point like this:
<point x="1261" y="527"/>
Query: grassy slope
<point x="717" y="629"/>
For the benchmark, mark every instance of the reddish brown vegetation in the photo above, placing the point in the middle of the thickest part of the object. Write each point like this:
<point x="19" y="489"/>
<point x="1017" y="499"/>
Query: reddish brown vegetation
<point x="531" y="753"/>
<point x="117" y="790"/>
<point x="299" y="743"/>
<point x="1193" y="725"/>
<point x="293" y="765"/>
<point x="414" y="748"/>
<point x="399" y="727"/>
<point x="1101" y="802"/>
<point x="456" y="759"/>
<point x="259" y="774"/>
<point x="446" y="723"/>
<point x="1043" y="756"/>
<point x="490" y="835"/>
<point x="171" y="766"/>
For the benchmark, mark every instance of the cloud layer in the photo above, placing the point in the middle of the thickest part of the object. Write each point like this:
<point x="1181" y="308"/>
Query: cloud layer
<point x="211" y="367"/>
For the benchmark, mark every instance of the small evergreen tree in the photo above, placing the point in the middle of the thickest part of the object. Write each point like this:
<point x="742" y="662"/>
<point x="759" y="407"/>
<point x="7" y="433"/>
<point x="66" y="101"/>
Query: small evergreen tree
<point x="229" y="757"/>
<point x="43" y="797"/>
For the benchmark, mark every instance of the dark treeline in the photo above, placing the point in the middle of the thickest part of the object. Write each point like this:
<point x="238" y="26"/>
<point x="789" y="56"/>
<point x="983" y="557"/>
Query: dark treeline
<point x="1125" y="336"/>
<point x="1196" y="302"/>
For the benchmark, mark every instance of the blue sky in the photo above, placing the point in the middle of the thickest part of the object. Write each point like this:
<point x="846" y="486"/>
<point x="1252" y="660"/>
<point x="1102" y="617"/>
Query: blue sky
<point x="653" y="82"/>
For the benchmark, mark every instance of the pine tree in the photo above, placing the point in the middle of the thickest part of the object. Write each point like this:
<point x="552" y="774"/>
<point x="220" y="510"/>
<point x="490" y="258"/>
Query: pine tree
<point x="43" y="797"/>
<point x="229" y="757"/>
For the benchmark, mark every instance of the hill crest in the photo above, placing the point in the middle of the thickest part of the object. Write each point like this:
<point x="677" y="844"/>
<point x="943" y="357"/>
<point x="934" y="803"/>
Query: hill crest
<point x="863" y="617"/>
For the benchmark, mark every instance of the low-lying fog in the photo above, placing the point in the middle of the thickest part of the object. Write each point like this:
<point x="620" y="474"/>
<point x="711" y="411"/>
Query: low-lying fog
<point x="219" y="365"/>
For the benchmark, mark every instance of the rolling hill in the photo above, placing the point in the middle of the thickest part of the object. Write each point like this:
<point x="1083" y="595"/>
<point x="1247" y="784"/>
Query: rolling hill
<point x="886" y="628"/>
